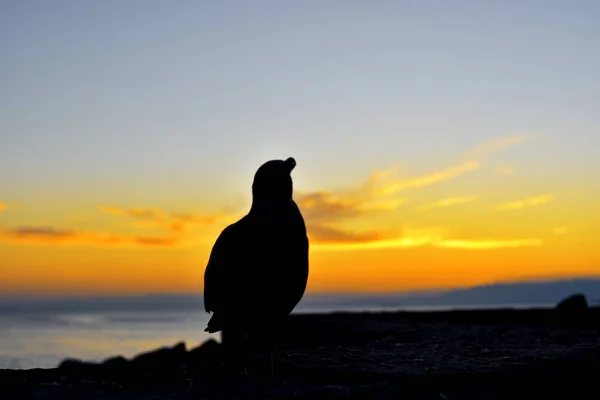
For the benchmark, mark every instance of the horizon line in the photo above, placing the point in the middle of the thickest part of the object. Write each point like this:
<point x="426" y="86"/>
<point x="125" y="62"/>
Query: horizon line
<point x="540" y="280"/>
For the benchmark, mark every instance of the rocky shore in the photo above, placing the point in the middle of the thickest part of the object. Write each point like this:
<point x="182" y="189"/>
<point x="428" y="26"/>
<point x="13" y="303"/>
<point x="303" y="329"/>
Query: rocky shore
<point x="483" y="354"/>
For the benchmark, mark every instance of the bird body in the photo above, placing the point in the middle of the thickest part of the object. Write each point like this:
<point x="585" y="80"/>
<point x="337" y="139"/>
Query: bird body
<point x="258" y="268"/>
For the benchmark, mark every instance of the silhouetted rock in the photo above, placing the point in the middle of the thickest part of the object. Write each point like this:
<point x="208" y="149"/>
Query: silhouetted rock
<point x="572" y="312"/>
<point x="573" y="303"/>
<point x="118" y="362"/>
<point x="163" y="357"/>
<point x="72" y="364"/>
<point x="210" y="349"/>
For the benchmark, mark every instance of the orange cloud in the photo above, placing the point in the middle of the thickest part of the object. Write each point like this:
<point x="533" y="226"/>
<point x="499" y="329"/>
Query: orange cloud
<point x="448" y="202"/>
<point x="530" y="202"/>
<point x="319" y="233"/>
<point x="324" y="205"/>
<point x="432" y="237"/>
<point x="54" y="236"/>
<point x="490" y="244"/>
<point x="174" y="222"/>
<point x="325" y="211"/>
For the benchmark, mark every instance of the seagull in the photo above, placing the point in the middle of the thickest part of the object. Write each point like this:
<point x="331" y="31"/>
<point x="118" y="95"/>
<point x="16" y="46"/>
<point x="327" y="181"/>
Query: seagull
<point x="258" y="267"/>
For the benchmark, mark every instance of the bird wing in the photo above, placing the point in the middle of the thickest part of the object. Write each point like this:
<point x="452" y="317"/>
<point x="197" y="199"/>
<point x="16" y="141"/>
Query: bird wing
<point x="216" y="269"/>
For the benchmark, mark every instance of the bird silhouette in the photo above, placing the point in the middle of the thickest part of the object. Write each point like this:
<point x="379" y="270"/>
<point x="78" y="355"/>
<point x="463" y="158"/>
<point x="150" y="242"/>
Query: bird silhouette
<point x="258" y="267"/>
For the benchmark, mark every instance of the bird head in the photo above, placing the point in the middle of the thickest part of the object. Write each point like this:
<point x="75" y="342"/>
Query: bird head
<point x="273" y="182"/>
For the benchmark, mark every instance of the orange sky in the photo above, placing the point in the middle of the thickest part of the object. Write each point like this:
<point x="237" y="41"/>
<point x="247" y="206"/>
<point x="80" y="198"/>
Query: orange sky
<point x="436" y="146"/>
<point x="467" y="223"/>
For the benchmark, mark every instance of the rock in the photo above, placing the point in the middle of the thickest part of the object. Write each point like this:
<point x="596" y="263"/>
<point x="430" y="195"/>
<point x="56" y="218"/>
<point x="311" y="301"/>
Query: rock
<point x="573" y="303"/>
<point x="118" y="362"/>
<point x="72" y="364"/>
<point x="208" y="353"/>
<point x="207" y="348"/>
<point x="572" y="312"/>
<point x="164" y="357"/>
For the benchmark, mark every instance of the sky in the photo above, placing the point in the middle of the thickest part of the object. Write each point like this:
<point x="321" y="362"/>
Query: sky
<point x="438" y="144"/>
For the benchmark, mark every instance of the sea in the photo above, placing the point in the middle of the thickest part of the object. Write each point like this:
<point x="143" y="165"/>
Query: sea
<point x="42" y="339"/>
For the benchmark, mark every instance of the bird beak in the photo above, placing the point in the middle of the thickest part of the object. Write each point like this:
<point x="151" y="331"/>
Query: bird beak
<point x="289" y="164"/>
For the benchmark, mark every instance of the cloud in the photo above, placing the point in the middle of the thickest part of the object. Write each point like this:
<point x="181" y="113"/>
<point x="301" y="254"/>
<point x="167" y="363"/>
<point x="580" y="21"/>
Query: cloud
<point x="324" y="234"/>
<point x="176" y="225"/>
<point x="469" y="163"/>
<point x="54" y="236"/>
<point x="448" y="202"/>
<point x="529" y="202"/>
<point x="497" y="144"/>
<point x="174" y="222"/>
<point x="40" y="232"/>
<point x="490" y="244"/>
<point x="324" y="205"/>
<point x="325" y="211"/>
<point x="427" y="180"/>
<point x="432" y="237"/>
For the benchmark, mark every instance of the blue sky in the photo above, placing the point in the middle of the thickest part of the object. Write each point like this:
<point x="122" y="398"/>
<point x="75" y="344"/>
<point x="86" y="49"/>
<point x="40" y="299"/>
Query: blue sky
<point x="168" y="91"/>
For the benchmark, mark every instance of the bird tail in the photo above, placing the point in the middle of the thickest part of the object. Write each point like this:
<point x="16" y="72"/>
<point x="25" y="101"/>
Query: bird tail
<point x="214" y="324"/>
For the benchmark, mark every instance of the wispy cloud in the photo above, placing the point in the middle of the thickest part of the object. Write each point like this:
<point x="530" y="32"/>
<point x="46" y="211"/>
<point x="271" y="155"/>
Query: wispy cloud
<point x="472" y="161"/>
<point x="54" y="236"/>
<point x="529" y="202"/>
<point x="325" y="205"/>
<point x="487" y="244"/>
<point x="427" y="180"/>
<point x="432" y="237"/>
<point x="176" y="226"/>
<point x="452" y="201"/>
<point x="174" y="222"/>
<point x="324" y="234"/>
<point x="326" y="211"/>
<point x="496" y="144"/>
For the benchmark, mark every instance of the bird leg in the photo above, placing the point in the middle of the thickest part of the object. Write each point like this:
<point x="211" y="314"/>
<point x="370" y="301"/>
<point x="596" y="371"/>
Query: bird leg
<point x="273" y="357"/>
<point x="245" y="355"/>
<point x="235" y="344"/>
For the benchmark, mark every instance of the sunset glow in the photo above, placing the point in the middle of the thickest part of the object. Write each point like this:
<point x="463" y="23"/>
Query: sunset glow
<point x="120" y="166"/>
<point x="360" y="239"/>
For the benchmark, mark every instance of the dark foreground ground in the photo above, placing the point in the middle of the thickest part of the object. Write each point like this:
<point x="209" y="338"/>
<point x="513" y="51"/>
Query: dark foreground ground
<point x="495" y="354"/>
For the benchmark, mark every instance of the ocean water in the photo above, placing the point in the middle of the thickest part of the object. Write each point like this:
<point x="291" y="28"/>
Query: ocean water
<point x="42" y="339"/>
